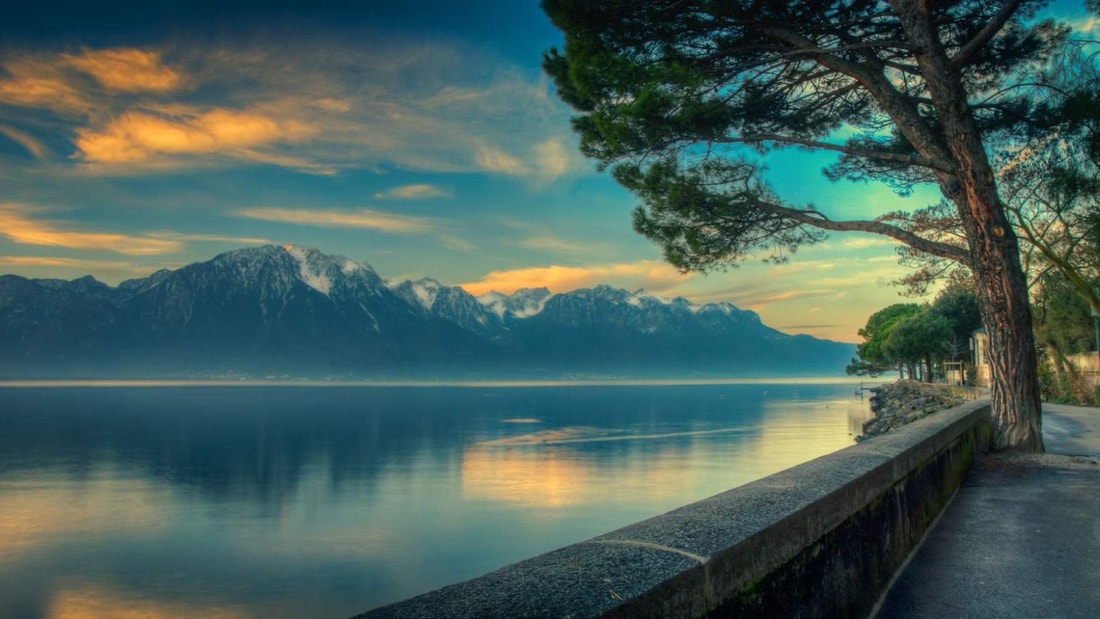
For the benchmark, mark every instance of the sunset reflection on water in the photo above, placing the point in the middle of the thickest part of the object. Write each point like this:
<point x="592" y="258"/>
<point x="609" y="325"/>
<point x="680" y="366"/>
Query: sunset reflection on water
<point x="548" y="468"/>
<point x="288" y="502"/>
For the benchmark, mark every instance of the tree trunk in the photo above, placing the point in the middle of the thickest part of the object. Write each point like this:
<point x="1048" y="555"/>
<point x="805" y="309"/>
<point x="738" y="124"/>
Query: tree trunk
<point x="1013" y="367"/>
<point x="993" y="249"/>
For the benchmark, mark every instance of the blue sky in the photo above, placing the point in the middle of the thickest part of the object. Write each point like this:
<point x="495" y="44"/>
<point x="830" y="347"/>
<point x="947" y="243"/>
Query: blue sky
<point x="419" y="136"/>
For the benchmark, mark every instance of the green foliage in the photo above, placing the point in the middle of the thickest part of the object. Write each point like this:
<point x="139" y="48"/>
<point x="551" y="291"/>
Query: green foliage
<point x="710" y="214"/>
<point x="873" y="358"/>
<point x="959" y="308"/>
<point x="908" y="334"/>
<point x="1062" y="317"/>
<point x="920" y="337"/>
<point x="680" y="97"/>
<point x="1059" y="388"/>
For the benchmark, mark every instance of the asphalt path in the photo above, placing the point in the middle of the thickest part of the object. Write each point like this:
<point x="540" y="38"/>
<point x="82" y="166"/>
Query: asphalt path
<point x="1020" y="539"/>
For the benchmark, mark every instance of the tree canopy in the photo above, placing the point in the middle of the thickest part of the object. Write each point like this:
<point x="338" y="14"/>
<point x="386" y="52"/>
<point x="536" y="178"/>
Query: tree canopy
<point x="673" y="93"/>
<point x="1050" y="183"/>
<point x="683" y="98"/>
<point x="919" y="340"/>
<point x="873" y="359"/>
<point x="907" y="336"/>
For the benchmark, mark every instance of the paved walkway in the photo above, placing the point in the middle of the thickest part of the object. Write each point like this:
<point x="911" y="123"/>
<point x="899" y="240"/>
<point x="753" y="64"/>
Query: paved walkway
<point x="1020" y="539"/>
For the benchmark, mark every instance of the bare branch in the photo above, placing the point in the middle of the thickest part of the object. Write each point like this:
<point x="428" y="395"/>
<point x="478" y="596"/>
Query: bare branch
<point x="919" y="243"/>
<point x="896" y="105"/>
<point x="988" y="31"/>
<point x="814" y="144"/>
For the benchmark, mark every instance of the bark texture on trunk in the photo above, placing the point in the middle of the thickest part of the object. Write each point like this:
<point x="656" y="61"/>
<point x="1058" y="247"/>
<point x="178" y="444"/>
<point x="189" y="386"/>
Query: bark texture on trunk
<point x="994" y="252"/>
<point x="1013" y="366"/>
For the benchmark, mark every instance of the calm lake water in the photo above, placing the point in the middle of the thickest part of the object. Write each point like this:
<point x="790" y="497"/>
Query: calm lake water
<point x="285" y="501"/>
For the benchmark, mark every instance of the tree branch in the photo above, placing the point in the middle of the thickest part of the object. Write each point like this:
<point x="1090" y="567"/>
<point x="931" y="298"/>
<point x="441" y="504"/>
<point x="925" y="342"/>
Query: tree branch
<point x="896" y="105"/>
<point x="919" y="243"/>
<point x="882" y="156"/>
<point x="988" y="31"/>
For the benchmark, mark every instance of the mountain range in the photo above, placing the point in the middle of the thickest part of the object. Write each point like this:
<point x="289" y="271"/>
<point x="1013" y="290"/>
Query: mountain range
<point x="276" y="310"/>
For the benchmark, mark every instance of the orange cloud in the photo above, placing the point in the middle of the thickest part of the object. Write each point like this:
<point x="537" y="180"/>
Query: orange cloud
<point x="363" y="218"/>
<point x="37" y="84"/>
<point x="137" y="136"/>
<point x="16" y="224"/>
<point x="649" y="274"/>
<point x="126" y="69"/>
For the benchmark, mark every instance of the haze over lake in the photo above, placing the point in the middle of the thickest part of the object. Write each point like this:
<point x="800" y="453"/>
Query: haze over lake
<point x="289" y="501"/>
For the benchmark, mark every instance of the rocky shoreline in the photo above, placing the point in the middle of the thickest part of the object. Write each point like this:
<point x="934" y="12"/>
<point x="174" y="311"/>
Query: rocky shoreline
<point x="904" y="401"/>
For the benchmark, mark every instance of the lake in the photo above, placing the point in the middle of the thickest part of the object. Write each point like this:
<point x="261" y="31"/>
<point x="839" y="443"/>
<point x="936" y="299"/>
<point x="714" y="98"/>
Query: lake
<point x="290" y="501"/>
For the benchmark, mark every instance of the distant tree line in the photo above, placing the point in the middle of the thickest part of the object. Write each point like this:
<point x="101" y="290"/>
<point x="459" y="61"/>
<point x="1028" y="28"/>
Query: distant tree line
<point x="919" y="340"/>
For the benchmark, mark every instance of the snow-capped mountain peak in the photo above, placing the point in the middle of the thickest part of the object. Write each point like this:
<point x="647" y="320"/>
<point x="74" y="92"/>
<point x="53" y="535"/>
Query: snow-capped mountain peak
<point x="523" y="303"/>
<point x="274" y="307"/>
<point x="321" y="271"/>
<point x="308" y="270"/>
<point x="494" y="302"/>
<point x="426" y="290"/>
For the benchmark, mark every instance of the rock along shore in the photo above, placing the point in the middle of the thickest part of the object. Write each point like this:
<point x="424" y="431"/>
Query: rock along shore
<point x="898" y="403"/>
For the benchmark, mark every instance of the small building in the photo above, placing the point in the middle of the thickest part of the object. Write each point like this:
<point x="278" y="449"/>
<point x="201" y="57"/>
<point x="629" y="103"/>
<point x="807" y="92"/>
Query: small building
<point x="979" y="354"/>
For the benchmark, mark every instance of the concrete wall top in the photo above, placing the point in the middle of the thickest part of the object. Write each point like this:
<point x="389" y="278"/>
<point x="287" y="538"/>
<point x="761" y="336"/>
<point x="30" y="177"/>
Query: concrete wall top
<point x="763" y="524"/>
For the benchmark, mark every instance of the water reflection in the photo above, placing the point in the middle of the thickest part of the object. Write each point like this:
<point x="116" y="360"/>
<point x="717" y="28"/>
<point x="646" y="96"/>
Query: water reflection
<point x="92" y="602"/>
<point x="289" y="502"/>
<point x="39" y="511"/>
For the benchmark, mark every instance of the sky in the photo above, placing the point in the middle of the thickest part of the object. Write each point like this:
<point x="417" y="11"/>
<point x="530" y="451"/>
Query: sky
<point x="420" y="137"/>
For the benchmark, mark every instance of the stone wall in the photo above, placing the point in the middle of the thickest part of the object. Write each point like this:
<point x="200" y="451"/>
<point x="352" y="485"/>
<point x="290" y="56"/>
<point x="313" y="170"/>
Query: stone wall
<point x="821" y="539"/>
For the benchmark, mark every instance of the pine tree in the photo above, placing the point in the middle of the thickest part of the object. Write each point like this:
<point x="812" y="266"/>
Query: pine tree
<point x="680" y="97"/>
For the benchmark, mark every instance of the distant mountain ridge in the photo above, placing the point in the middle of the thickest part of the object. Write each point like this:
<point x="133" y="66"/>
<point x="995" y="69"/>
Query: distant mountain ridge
<point x="287" y="309"/>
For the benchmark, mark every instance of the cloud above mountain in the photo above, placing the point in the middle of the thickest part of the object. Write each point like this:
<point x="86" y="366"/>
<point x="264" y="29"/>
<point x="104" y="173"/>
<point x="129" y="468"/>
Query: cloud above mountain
<point x="317" y="103"/>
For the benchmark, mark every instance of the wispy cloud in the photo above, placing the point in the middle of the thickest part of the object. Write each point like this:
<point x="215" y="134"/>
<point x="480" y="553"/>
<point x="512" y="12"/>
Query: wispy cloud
<point x="137" y="137"/>
<point x="70" y="263"/>
<point x="38" y="82"/>
<point x="456" y="243"/>
<point x="17" y="223"/>
<point x="412" y="192"/>
<point x="362" y="218"/>
<point x="553" y="159"/>
<point x="415" y="105"/>
<point x="649" y="274"/>
<point x="210" y="238"/>
<point x="126" y="69"/>
<point x="493" y="160"/>
<point x="553" y="243"/>
<point x="32" y="146"/>
<point x="760" y="300"/>
<point x="859" y="242"/>
<point x="540" y="237"/>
